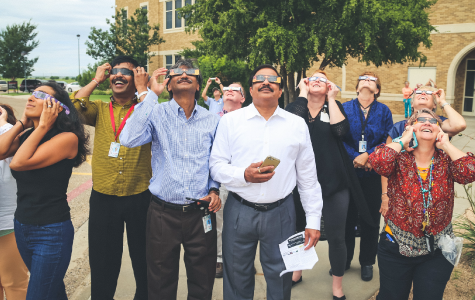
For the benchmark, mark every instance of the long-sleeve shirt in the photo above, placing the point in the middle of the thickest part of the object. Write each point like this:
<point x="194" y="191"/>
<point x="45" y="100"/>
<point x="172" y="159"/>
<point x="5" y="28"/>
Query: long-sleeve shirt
<point x="130" y="172"/>
<point x="406" y="211"/>
<point x="180" y="147"/>
<point x="215" y="107"/>
<point x="244" y="137"/>
<point x="380" y="121"/>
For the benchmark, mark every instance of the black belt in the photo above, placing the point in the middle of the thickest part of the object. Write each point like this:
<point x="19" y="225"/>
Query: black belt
<point x="181" y="207"/>
<point x="259" y="206"/>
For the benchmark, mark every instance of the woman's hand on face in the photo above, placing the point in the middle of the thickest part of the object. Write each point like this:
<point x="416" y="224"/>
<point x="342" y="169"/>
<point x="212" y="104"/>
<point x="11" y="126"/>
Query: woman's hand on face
<point x="3" y="116"/>
<point x="440" y="96"/>
<point x="27" y="123"/>
<point x="50" y="113"/>
<point x="442" y="139"/>
<point x="303" y="86"/>
<point x="407" y="137"/>
<point x="332" y="90"/>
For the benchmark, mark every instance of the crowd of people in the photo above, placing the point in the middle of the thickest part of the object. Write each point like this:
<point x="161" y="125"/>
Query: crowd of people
<point x="176" y="175"/>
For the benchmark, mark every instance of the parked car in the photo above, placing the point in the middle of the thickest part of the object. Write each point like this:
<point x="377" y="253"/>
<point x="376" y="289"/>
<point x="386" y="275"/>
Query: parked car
<point x="3" y="85"/>
<point x="62" y="84"/>
<point x="72" y="87"/>
<point x="31" y="85"/>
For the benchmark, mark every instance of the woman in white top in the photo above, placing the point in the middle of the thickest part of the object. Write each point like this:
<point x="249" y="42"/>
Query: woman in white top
<point x="13" y="272"/>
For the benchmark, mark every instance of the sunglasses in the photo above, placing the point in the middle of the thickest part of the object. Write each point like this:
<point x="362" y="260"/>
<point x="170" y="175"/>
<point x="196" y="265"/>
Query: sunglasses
<point x="321" y="79"/>
<point x="180" y="71"/>
<point x="425" y="119"/>
<point x="45" y="96"/>
<point x="233" y="88"/>
<point x="123" y="71"/>
<point x="367" y="77"/>
<point x="270" y="78"/>
<point x="426" y="92"/>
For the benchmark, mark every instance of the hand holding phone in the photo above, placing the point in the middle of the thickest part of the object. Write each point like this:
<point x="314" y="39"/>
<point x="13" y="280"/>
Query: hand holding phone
<point x="270" y="161"/>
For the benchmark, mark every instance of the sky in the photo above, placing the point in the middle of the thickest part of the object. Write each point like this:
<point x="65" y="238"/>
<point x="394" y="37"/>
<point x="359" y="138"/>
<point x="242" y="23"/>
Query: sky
<point x="58" y="24"/>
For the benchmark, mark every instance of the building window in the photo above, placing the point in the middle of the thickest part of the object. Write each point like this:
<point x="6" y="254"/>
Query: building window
<point x="421" y="75"/>
<point x="187" y="2"/>
<point x="172" y="19"/>
<point x="146" y="10"/>
<point x="171" y="59"/>
<point x="469" y="95"/>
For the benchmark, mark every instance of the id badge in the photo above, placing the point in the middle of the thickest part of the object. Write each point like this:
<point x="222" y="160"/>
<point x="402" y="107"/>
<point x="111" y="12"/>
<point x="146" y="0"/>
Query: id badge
<point x="207" y="223"/>
<point x="114" y="149"/>
<point x="362" y="146"/>
<point x="430" y="242"/>
<point x="324" y="117"/>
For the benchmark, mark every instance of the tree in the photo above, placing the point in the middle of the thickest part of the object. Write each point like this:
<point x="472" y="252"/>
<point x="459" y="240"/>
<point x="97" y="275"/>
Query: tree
<point x="13" y="41"/>
<point x="86" y="77"/>
<point x="126" y="36"/>
<point x="298" y="33"/>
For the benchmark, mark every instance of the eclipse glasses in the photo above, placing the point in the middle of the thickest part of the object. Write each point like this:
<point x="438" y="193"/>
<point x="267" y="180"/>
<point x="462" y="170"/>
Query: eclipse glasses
<point x="270" y="78"/>
<point x="45" y="96"/>
<point x="180" y="71"/>
<point x="123" y="71"/>
<point x="233" y="88"/>
<point x="425" y="119"/>
<point x="364" y="77"/>
<point x="321" y="79"/>
<point x="426" y="92"/>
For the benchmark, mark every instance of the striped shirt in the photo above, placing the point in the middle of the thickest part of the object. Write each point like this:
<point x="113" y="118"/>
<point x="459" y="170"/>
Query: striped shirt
<point x="180" y="147"/>
<point x="130" y="172"/>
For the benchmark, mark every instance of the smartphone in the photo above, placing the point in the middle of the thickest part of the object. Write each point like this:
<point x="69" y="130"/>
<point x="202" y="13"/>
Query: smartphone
<point x="270" y="161"/>
<point x="413" y="143"/>
<point x="214" y="78"/>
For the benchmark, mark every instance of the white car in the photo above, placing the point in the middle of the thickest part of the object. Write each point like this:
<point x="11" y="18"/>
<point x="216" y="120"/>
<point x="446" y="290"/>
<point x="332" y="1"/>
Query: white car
<point x="72" y="87"/>
<point x="3" y="85"/>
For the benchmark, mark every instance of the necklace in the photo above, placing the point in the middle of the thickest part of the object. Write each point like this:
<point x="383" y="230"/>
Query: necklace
<point x="427" y="203"/>
<point x="365" y="111"/>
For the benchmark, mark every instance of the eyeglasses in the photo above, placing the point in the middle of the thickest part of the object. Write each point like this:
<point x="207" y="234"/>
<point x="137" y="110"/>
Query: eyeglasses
<point x="425" y="119"/>
<point x="233" y="88"/>
<point x="45" y="96"/>
<point x="321" y="79"/>
<point x="270" y="78"/>
<point x="180" y="71"/>
<point x="426" y="92"/>
<point x="368" y="77"/>
<point x="123" y="71"/>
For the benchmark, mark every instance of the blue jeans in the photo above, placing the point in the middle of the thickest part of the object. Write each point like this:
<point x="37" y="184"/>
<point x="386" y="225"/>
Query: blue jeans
<point x="46" y="251"/>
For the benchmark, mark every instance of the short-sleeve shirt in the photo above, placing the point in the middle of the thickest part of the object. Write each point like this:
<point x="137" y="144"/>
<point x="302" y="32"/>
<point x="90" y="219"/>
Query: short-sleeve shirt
<point x="214" y="106"/>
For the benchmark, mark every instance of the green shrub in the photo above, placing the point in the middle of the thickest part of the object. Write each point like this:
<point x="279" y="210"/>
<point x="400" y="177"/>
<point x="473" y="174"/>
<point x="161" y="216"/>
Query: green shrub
<point x="465" y="226"/>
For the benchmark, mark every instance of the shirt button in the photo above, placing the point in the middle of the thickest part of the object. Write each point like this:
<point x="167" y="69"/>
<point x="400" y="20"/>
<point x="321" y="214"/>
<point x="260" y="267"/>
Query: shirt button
<point x="120" y="158"/>
<point x="121" y="118"/>
<point x="120" y="172"/>
<point x="186" y="171"/>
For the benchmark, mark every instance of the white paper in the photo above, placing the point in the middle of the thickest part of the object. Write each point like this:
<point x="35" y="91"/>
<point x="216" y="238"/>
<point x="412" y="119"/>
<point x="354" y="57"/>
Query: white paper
<point x="294" y="255"/>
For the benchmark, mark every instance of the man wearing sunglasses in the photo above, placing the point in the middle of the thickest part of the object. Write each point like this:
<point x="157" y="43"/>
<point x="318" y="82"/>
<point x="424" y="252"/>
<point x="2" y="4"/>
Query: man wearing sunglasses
<point x="182" y="134"/>
<point x="260" y="207"/>
<point x="120" y="176"/>
<point x="215" y="105"/>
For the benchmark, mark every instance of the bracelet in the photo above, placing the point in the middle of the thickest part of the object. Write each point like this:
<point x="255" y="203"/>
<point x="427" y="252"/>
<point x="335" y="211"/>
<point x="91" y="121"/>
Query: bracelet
<point x="402" y="146"/>
<point x="22" y="124"/>
<point x="214" y="190"/>
<point x="94" y="79"/>
<point x="444" y="105"/>
<point x="141" y="94"/>
<point x="384" y="193"/>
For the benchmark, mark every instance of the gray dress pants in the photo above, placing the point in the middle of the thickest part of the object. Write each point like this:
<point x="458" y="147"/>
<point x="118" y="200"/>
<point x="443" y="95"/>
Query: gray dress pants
<point x="243" y="228"/>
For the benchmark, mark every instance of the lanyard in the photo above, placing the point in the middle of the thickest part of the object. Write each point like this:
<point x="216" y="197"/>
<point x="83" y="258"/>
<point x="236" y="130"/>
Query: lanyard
<point x="429" y="188"/>
<point x="363" y="123"/>
<point x="123" y="121"/>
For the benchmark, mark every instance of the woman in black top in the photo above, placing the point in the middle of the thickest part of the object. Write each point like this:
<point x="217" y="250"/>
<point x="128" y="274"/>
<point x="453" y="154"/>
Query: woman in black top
<point x="327" y="124"/>
<point x="42" y="164"/>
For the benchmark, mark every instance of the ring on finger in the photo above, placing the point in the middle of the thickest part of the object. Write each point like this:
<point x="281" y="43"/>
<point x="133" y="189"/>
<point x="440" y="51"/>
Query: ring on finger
<point x="259" y="170"/>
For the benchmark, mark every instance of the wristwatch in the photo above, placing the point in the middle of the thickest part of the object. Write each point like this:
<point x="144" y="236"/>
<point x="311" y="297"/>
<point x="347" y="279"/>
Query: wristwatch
<point x="444" y="105"/>
<point x="213" y="189"/>
<point x="141" y="94"/>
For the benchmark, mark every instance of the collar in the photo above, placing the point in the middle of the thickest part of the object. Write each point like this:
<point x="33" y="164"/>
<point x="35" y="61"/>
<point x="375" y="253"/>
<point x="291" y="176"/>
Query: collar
<point x="177" y="108"/>
<point x="251" y="111"/>
<point x="128" y="104"/>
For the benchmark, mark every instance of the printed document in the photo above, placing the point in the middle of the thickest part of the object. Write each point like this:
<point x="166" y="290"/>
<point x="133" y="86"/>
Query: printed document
<point x="294" y="255"/>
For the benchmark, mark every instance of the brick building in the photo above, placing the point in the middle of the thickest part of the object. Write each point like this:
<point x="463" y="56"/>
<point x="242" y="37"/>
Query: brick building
<point x="450" y="61"/>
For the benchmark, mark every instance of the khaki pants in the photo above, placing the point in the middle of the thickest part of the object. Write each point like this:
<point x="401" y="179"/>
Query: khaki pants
<point x="13" y="272"/>
<point x="223" y="195"/>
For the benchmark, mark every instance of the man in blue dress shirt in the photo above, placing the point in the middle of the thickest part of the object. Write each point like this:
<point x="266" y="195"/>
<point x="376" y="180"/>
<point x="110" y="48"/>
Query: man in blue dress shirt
<point x="215" y="104"/>
<point x="181" y="133"/>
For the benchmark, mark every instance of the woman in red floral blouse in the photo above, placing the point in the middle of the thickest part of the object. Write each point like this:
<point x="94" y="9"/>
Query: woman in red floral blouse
<point x="421" y="193"/>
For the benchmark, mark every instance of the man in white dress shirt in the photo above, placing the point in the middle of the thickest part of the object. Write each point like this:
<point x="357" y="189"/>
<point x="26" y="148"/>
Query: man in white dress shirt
<point x="260" y="206"/>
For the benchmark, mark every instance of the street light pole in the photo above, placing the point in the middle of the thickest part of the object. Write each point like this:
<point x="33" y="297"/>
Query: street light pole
<point x="24" y="54"/>
<point x="79" y="57"/>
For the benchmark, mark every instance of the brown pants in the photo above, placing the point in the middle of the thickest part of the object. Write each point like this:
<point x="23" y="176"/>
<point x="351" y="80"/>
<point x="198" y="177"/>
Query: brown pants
<point x="13" y="272"/>
<point x="167" y="230"/>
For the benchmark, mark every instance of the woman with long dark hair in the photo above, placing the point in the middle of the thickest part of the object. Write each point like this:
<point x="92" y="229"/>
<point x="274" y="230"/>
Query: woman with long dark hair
<point x="43" y="159"/>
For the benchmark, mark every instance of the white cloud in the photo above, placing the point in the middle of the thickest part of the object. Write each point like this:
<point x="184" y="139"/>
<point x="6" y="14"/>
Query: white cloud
<point x="58" y="23"/>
